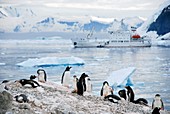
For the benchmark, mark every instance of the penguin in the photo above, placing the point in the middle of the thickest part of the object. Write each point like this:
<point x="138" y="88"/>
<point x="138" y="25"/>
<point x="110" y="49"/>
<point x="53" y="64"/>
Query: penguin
<point x="5" y="81"/>
<point x="122" y="94"/>
<point x="42" y="76"/>
<point x="88" y="85"/>
<point x="112" y="98"/>
<point x="3" y="85"/>
<point x="24" y="82"/>
<point x="75" y="80"/>
<point x="65" y="80"/>
<point x="22" y="98"/>
<point x="106" y="89"/>
<point x="81" y="86"/>
<point x="131" y="97"/>
<point x="130" y="94"/>
<point x="32" y="77"/>
<point x="157" y="102"/>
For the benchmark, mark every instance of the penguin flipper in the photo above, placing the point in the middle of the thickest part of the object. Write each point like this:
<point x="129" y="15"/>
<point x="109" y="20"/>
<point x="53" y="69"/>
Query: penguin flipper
<point x="101" y="92"/>
<point x="45" y="76"/>
<point x="62" y="78"/>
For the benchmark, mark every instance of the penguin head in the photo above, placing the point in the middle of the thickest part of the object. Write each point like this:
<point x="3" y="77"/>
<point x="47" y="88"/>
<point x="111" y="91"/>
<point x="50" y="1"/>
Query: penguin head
<point x="32" y="77"/>
<point x="128" y="88"/>
<point x="75" y="78"/>
<point x="157" y="97"/>
<point x="68" y="68"/>
<point x="83" y="76"/>
<point x="40" y="71"/>
<point x="105" y="83"/>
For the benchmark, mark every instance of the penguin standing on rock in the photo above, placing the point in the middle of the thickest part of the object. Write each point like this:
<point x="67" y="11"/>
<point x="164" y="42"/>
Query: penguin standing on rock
<point x="106" y="89"/>
<point x="42" y="76"/>
<point x="88" y="85"/>
<point x="157" y="102"/>
<point x="75" y="80"/>
<point x="131" y="97"/>
<point x="81" y="85"/>
<point x="65" y="80"/>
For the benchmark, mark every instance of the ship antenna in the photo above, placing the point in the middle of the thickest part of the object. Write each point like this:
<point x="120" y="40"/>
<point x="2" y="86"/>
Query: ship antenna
<point x="89" y="35"/>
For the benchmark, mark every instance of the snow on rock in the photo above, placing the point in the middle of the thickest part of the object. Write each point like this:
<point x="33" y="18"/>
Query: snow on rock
<point x="144" y="28"/>
<point x="52" y="61"/>
<point x="57" y="99"/>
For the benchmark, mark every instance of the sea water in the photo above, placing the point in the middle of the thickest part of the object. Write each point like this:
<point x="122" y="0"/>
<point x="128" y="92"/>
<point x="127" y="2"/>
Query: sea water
<point x="152" y="75"/>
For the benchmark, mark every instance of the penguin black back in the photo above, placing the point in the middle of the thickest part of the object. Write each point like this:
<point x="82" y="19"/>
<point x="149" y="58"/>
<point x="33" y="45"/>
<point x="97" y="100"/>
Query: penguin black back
<point x="32" y="77"/>
<point x="33" y="83"/>
<point x="130" y="93"/>
<point x="81" y="87"/>
<point x="122" y="93"/>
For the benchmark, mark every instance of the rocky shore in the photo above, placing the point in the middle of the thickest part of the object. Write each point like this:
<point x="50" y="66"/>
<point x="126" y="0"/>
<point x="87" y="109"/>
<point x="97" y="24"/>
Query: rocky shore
<point x="51" y="98"/>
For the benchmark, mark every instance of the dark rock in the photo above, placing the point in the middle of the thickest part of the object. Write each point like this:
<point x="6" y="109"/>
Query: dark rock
<point x="161" y="25"/>
<point x="5" y="101"/>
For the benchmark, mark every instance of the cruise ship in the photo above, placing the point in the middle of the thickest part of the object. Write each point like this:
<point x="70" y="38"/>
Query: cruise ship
<point x="117" y="39"/>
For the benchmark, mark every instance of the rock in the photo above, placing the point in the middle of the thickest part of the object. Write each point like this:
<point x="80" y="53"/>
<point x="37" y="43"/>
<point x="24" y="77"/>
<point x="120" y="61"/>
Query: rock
<point x="5" y="101"/>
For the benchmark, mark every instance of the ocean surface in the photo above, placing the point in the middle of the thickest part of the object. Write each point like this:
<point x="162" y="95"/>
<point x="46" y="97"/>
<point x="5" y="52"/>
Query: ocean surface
<point x="152" y="75"/>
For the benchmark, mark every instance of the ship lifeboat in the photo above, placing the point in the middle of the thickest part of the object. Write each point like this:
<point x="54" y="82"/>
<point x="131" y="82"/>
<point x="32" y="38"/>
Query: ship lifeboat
<point x="136" y="36"/>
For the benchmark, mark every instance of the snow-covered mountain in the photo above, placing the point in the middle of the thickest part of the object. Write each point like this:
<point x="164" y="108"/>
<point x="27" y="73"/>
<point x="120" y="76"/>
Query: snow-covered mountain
<point x="24" y="19"/>
<point x="158" y="22"/>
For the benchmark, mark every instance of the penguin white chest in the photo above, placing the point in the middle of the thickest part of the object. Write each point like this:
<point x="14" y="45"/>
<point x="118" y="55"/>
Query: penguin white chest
<point x="66" y="78"/>
<point x="88" y="84"/>
<point x="41" y="76"/>
<point x="75" y="84"/>
<point x="158" y="103"/>
<point x="106" y="90"/>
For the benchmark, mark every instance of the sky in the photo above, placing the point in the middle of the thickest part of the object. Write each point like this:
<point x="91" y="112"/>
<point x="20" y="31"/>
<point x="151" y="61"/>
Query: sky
<point x="99" y="8"/>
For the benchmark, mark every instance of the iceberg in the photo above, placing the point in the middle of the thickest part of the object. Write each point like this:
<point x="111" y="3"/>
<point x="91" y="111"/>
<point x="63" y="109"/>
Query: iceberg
<point x="121" y="77"/>
<point x="51" y="61"/>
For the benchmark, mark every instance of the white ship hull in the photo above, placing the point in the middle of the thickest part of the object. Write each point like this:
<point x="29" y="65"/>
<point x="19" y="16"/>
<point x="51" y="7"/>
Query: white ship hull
<point x="117" y="39"/>
<point x="109" y="44"/>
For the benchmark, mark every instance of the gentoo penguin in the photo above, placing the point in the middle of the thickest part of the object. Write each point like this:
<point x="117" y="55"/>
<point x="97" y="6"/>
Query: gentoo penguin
<point x="122" y="94"/>
<point x="112" y="98"/>
<point x="131" y="97"/>
<point x="81" y="87"/>
<point x="157" y="102"/>
<point x="24" y="82"/>
<point x="106" y="89"/>
<point x="22" y="98"/>
<point x="75" y="80"/>
<point x="32" y="77"/>
<point x="88" y="85"/>
<point x="42" y="76"/>
<point x="4" y="85"/>
<point x="65" y="81"/>
<point x="130" y="94"/>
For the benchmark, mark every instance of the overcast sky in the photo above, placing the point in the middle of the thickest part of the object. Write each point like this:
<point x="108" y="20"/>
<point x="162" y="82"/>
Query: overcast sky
<point x="100" y="8"/>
